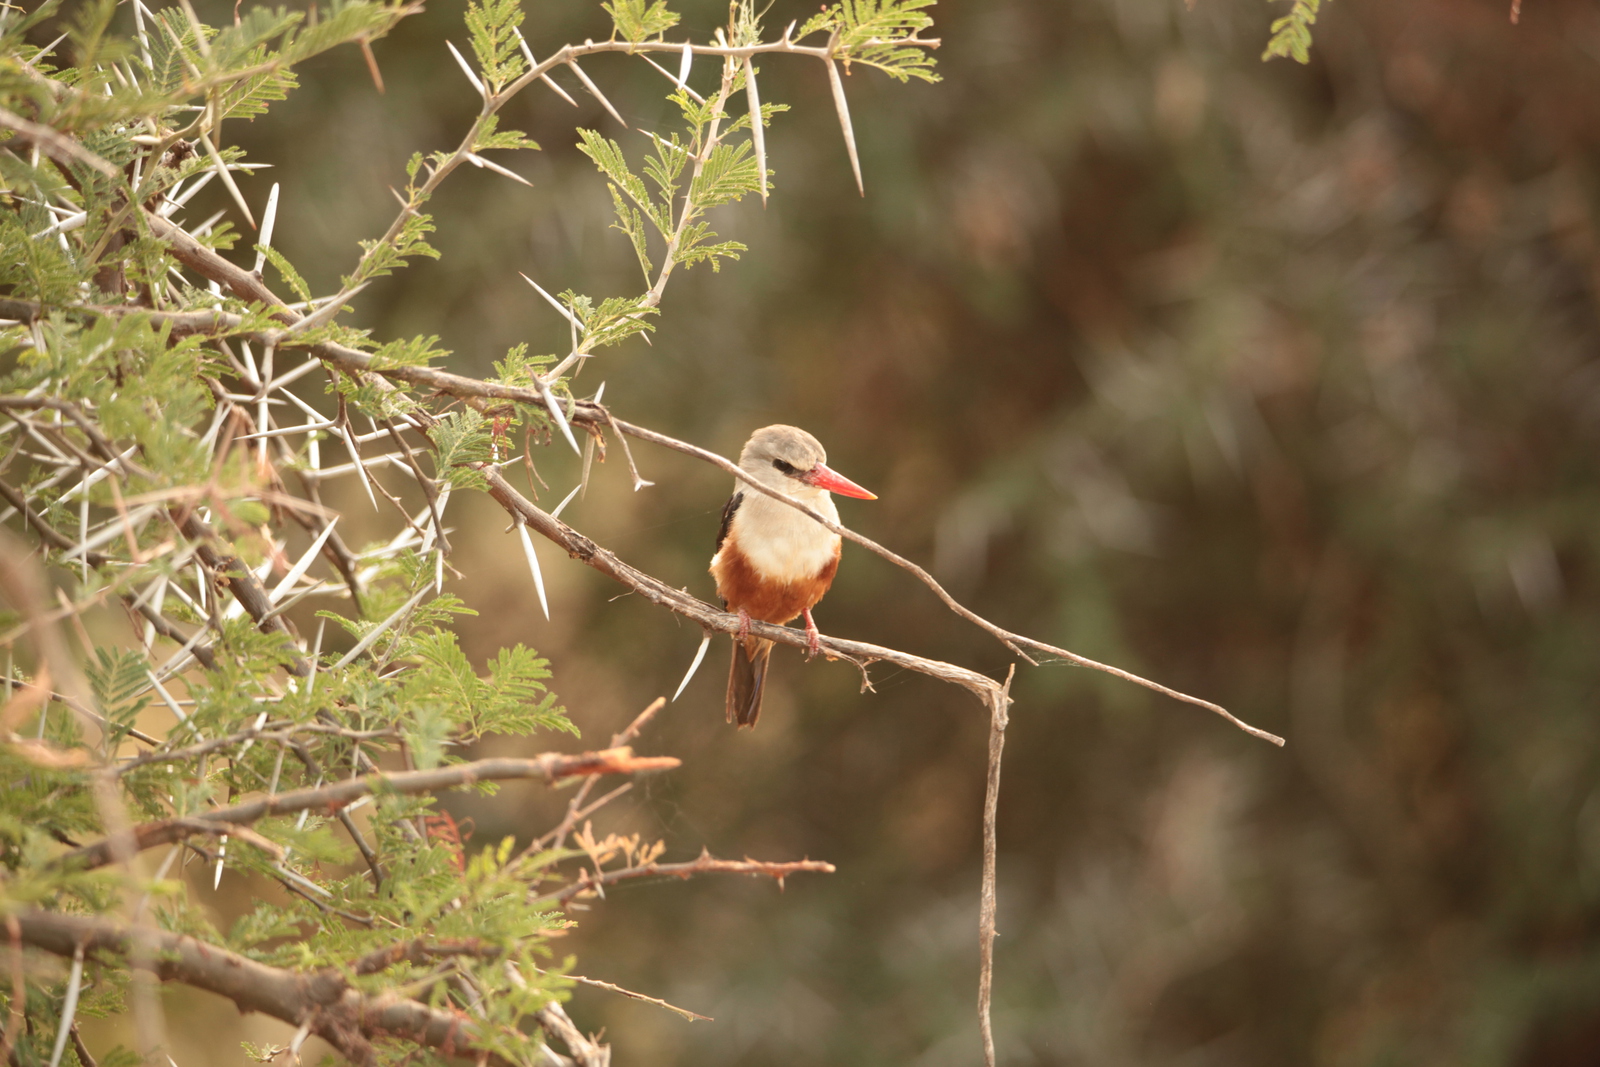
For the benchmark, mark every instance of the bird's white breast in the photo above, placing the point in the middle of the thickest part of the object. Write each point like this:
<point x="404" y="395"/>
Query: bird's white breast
<point x="782" y="544"/>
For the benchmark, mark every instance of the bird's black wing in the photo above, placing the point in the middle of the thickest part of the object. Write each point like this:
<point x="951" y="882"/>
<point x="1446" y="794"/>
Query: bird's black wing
<point x="727" y="519"/>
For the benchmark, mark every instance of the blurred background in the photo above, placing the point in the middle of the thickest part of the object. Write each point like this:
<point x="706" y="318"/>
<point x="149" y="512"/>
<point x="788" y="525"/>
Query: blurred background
<point x="1277" y="384"/>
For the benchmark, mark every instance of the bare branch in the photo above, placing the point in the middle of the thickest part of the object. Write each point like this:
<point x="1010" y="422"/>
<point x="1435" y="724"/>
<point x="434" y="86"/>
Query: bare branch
<point x="549" y="768"/>
<point x="49" y="534"/>
<point x="266" y="732"/>
<point x="588" y="882"/>
<point x="1015" y="642"/>
<point x="609" y="987"/>
<point x="340" y="1015"/>
<point x="987" y="895"/>
<point x="57" y="146"/>
<point x="664" y="595"/>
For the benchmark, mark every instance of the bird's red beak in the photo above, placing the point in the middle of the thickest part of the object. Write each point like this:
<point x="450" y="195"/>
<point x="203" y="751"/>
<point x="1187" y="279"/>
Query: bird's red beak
<point x="834" y="482"/>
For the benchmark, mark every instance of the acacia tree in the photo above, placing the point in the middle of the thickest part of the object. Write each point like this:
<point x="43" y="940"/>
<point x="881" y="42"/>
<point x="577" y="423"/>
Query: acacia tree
<point x="171" y="418"/>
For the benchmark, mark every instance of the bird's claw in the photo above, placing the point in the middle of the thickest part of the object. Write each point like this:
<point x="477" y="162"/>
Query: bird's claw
<point x="813" y="639"/>
<point x="744" y="624"/>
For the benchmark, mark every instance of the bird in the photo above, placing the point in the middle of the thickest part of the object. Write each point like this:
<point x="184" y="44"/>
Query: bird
<point x="773" y="563"/>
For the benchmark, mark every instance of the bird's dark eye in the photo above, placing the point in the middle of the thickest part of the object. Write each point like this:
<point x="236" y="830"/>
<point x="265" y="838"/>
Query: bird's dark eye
<point x="784" y="468"/>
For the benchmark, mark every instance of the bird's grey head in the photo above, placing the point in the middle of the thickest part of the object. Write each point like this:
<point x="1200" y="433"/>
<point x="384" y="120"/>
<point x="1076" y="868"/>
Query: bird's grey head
<point x="786" y="451"/>
<point x="790" y="461"/>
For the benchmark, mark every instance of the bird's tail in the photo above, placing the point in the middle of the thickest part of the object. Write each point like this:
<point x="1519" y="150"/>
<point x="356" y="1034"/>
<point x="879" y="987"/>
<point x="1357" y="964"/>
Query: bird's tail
<point x="746" y="678"/>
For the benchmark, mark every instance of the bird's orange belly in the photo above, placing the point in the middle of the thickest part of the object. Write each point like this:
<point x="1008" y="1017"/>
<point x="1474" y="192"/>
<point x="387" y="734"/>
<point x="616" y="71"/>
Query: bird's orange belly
<point x="743" y="589"/>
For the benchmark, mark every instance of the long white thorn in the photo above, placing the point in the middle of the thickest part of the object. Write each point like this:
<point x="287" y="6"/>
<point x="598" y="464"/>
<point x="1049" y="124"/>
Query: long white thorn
<point x="299" y="569"/>
<point x="595" y="89"/>
<point x="566" y="314"/>
<point x="355" y="456"/>
<point x="378" y="631"/>
<point x="556" y="514"/>
<point x="556" y="413"/>
<point x="263" y="408"/>
<point x="66" y="225"/>
<point x="471" y="77"/>
<point x="700" y="654"/>
<point x="294" y="375"/>
<point x="671" y="77"/>
<point x="222" y="852"/>
<point x="533" y="565"/>
<point x="69" y="1010"/>
<point x="685" y="65"/>
<point x="261" y="720"/>
<point x="527" y="53"/>
<point x="758" y="130"/>
<point x="325" y="314"/>
<point x="174" y="202"/>
<point x="843" y="107"/>
<point x="588" y="464"/>
<point x="478" y="161"/>
<point x="46" y="50"/>
<point x="166" y="696"/>
<point x="269" y="218"/>
<point x="299" y="1039"/>
<point x="227" y="179"/>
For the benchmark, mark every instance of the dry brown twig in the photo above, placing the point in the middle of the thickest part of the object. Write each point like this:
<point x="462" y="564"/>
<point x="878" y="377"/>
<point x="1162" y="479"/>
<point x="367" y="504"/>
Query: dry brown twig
<point x="589" y="884"/>
<point x="576" y="810"/>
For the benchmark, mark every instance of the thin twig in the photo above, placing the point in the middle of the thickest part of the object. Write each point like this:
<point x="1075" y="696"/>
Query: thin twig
<point x="609" y="987"/>
<point x="704" y="863"/>
<point x="987" y="896"/>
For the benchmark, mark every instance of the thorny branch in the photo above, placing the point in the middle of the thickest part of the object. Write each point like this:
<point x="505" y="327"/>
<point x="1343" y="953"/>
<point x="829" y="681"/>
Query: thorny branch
<point x="659" y="592"/>
<point x="548" y="768"/>
<point x="592" y="415"/>
<point x="324" y="1000"/>
<point x="588" y="883"/>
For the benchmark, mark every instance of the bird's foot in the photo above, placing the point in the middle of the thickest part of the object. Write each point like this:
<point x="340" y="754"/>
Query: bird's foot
<point x="744" y="624"/>
<point x="813" y="638"/>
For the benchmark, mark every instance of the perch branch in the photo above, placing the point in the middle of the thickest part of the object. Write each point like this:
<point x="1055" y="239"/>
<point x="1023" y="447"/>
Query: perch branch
<point x="659" y="592"/>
